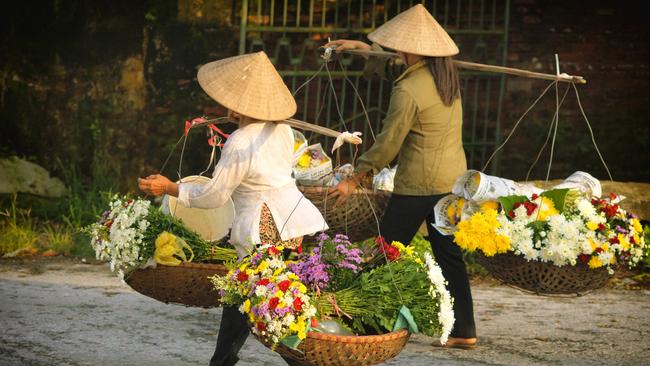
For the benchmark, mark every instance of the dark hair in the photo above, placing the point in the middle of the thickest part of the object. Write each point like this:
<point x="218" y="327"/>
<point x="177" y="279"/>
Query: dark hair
<point x="445" y="75"/>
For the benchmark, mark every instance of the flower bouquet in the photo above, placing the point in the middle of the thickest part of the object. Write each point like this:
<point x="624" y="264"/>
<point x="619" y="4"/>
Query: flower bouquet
<point x="155" y="252"/>
<point x="338" y="289"/>
<point x="559" y="227"/>
<point x="313" y="164"/>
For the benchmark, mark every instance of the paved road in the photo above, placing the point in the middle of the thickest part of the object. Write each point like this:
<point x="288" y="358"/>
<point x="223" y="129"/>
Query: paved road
<point x="73" y="314"/>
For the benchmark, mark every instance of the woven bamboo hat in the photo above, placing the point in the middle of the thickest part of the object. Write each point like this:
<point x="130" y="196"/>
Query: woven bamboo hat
<point x="415" y="31"/>
<point x="249" y="85"/>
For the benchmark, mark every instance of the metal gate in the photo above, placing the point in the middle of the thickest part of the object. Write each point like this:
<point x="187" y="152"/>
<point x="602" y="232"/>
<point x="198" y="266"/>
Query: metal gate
<point x="291" y="32"/>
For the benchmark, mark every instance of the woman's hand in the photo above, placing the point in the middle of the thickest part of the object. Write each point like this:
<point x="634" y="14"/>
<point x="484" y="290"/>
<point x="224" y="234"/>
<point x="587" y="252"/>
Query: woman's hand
<point x="348" y="44"/>
<point x="343" y="190"/>
<point x="158" y="185"/>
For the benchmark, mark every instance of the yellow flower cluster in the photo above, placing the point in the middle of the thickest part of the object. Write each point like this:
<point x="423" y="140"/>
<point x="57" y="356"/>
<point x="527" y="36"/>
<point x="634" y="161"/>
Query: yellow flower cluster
<point x="479" y="232"/>
<point x="546" y="208"/>
<point x="169" y="250"/>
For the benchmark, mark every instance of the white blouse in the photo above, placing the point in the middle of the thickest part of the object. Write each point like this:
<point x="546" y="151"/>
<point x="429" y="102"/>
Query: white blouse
<point x="255" y="168"/>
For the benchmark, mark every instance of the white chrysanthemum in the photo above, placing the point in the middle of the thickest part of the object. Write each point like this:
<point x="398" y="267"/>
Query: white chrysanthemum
<point x="446" y="312"/>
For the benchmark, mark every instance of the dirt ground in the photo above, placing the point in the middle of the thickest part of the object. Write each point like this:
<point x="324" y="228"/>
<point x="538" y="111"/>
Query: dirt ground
<point x="64" y="312"/>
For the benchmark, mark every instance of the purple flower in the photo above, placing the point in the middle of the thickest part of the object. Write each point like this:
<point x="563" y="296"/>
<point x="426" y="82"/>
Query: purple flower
<point x="311" y="271"/>
<point x="621" y="230"/>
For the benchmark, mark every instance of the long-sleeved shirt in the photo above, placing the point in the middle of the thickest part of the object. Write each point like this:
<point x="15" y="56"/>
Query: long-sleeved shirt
<point x="255" y="169"/>
<point x="424" y="134"/>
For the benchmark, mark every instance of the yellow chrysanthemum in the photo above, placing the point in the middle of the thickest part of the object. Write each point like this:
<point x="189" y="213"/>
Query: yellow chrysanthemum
<point x="479" y="232"/>
<point x="489" y="205"/>
<point x="247" y="305"/>
<point x="262" y="266"/>
<point x="592" y="226"/>
<point x="595" y="262"/>
<point x="637" y="225"/>
<point x="304" y="161"/>
<point x="293" y="276"/>
<point x="623" y="240"/>
<point x="546" y="208"/>
<point x="297" y="145"/>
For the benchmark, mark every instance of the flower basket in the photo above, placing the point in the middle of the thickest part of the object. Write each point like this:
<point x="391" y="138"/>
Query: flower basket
<point x="543" y="278"/>
<point x="354" y="217"/>
<point x="320" y="349"/>
<point x="186" y="284"/>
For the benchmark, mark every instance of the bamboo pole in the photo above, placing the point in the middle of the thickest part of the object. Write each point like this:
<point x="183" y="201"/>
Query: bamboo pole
<point x="302" y="125"/>
<point x="483" y="67"/>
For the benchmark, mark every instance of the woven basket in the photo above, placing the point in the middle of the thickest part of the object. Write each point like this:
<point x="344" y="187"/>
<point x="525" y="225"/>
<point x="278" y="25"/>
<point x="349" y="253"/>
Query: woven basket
<point x="543" y="278"/>
<point x="186" y="284"/>
<point x="355" y="217"/>
<point x="320" y="349"/>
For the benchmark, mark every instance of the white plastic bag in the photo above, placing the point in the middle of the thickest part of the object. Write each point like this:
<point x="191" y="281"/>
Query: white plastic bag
<point x="385" y="179"/>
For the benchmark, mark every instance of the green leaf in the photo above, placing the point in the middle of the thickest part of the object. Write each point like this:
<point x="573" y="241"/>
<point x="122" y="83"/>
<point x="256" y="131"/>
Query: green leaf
<point x="508" y="202"/>
<point x="558" y="197"/>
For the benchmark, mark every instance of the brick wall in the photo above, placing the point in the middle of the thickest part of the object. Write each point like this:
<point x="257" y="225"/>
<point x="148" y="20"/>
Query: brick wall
<point x="607" y="43"/>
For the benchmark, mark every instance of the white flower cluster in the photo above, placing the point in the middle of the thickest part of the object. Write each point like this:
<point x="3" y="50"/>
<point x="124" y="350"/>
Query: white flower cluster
<point x="118" y="236"/>
<point x="438" y="288"/>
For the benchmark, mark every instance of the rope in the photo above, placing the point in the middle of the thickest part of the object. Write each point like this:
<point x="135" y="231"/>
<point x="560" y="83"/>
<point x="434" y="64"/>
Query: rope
<point x="539" y="154"/>
<point x="591" y="132"/>
<point x="516" y="125"/>
<point x="557" y="122"/>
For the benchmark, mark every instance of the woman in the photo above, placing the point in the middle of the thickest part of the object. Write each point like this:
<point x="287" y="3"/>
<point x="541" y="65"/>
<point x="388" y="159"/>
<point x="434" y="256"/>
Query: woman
<point x="422" y="129"/>
<point x="254" y="170"/>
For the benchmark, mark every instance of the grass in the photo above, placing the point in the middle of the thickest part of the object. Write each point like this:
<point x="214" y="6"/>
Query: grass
<point x="17" y="232"/>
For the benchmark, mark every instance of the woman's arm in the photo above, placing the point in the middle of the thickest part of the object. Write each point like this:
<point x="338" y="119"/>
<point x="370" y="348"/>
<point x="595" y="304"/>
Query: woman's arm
<point x="158" y="185"/>
<point x="228" y="174"/>
<point x="397" y="124"/>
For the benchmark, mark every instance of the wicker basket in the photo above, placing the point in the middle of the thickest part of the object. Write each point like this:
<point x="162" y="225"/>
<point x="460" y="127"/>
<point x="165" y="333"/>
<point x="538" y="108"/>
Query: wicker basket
<point x="186" y="284"/>
<point x="320" y="349"/>
<point x="543" y="278"/>
<point x="355" y="217"/>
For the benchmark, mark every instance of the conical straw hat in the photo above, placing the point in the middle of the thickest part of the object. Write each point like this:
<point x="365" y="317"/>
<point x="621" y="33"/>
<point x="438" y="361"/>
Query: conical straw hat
<point x="249" y="85"/>
<point x="415" y="31"/>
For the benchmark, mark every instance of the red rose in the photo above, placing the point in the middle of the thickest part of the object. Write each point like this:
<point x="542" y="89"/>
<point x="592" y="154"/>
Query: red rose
<point x="632" y="240"/>
<point x="511" y="214"/>
<point x="263" y="282"/>
<point x="380" y="241"/>
<point x="273" y="251"/>
<point x="299" y="249"/>
<point x="612" y="196"/>
<point x="584" y="258"/>
<point x="242" y="276"/>
<point x="601" y="227"/>
<point x="314" y="322"/>
<point x="535" y="196"/>
<point x="273" y="303"/>
<point x="599" y="250"/>
<point x="297" y="304"/>
<point x="261" y="326"/>
<point x="614" y="240"/>
<point x="391" y="252"/>
<point x="284" y="285"/>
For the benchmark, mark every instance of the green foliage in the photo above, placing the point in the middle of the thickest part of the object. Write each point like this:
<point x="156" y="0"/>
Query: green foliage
<point x="387" y="288"/>
<point x="58" y="238"/>
<point x="558" y="197"/>
<point x="508" y="202"/>
<point x="203" y="250"/>
<point x="17" y="230"/>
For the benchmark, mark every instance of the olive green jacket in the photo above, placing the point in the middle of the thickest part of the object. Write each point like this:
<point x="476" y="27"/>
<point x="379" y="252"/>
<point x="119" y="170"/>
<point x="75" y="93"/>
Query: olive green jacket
<point x="423" y="133"/>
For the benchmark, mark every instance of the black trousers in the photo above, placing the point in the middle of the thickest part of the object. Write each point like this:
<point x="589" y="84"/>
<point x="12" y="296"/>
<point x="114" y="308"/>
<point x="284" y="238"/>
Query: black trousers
<point x="233" y="332"/>
<point x="402" y="218"/>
